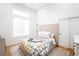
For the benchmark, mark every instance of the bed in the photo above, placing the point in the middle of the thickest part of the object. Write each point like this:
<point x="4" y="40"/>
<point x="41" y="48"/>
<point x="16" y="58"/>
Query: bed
<point x="39" y="46"/>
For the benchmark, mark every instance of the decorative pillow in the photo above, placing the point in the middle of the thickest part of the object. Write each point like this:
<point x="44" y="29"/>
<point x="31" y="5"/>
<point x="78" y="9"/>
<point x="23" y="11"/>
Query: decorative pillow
<point x="30" y="40"/>
<point x="52" y="36"/>
<point x="54" y="41"/>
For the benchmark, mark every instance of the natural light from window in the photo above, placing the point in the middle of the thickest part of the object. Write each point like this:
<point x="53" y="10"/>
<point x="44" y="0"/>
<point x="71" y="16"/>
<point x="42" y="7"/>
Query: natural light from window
<point x="20" y="24"/>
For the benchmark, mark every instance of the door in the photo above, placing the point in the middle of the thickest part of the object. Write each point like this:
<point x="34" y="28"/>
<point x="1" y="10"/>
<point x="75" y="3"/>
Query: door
<point x="64" y="33"/>
<point x="74" y="29"/>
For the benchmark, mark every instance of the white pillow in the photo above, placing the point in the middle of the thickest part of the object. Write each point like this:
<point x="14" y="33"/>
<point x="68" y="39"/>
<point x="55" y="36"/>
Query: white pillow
<point x="44" y="34"/>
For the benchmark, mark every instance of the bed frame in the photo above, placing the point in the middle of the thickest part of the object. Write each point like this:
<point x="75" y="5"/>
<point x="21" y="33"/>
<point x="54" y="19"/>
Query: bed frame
<point x="24" y="51"/>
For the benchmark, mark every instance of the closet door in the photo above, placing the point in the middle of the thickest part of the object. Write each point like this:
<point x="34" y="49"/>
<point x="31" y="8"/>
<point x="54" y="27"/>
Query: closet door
<point x="74" y="29"/>
<point x="64" y="33"/>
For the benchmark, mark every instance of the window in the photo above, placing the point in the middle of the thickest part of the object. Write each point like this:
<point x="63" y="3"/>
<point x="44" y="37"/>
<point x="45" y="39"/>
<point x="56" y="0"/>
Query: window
<point x="20" y="23"/>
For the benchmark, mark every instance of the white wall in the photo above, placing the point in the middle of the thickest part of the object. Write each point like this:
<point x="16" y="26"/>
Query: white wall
<point x="54" y="12"/>
<point x="6" y="22"/>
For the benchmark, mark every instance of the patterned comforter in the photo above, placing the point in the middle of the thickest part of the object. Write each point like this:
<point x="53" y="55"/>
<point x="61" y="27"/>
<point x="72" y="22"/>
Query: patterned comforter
<point x="36" y="47"/>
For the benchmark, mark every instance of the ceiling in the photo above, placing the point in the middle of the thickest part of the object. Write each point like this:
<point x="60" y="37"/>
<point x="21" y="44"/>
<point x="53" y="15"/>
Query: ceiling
<point x="36" y="6"/>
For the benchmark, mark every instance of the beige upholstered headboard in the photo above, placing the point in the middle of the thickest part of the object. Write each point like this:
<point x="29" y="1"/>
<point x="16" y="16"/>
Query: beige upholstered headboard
<point x="53" y="28"/>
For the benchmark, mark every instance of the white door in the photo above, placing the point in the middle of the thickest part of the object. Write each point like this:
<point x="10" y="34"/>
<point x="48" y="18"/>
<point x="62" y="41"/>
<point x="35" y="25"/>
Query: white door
<point x="64" y="33"/>
<point x="74" y="29"/>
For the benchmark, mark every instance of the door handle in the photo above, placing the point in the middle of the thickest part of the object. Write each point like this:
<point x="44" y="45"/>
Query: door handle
<point x="59" y="33"/>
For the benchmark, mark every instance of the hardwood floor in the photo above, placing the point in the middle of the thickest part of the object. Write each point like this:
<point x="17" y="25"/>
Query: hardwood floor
<point x="15" y="51"/>
<point x="58" y="51"/>
<point x="8" y="52"/>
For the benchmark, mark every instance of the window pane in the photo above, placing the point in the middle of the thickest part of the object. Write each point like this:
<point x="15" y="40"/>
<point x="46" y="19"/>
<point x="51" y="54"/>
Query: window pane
<point x="26" y="27"/>
<point x="20" y="13"/>
<point x="17" y="26"/>
<point x="20" y="27"/>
